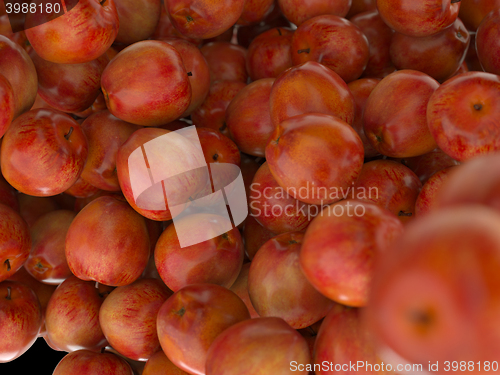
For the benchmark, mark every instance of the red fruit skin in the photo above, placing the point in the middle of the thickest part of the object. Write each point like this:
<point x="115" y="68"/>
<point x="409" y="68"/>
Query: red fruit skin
<point x="240" y="287"/>
<point x="108" y="242"/>
<point x="47" y="260"/>
<point x="300" y="154"/>
<point x="473" y="12"/>
<point x="334" y="42"/>
<point x="424" y="166"/>
<point x="299" y="11"/>
<point x="340" y="249"/>
<point x="253" y="346"/>
<point x="21" y="319"/>
<point x="90" y="363"/>
<point x="343" y="339"/>
<point x="31" y="208"/>
<point x="488" y="42"/>
<point x="159" y="364"/>
<point x="361" y="6"/>
<point x="165" y="29"/>
<point x="384" y="114"/>
<point x="8" y="195"/>
<point x="427" y="17"/>
<point x="328" y="93"/>
<point x="15" y="242"/>
<point x="419" y="288"/>
<point x="426" y="200"/>
<point x="255" y="11"/>
<point x="54" y="147"/>
<point x="361" y="90"/>
<point x="204" y="19"/>
<point x="379" y="39"/>
<point x="248" y="117"/>
<point x="254" y="236"/>
<point x="273" y="208"/>
<point x="128" y="318"/>
<point x="137" y="19"/>
<point x="226" y="61"/>
<point x="184" y="337"/>
<point x="474" y="130"/>
<point x="439" y="55"/>
<point x="72" y="315"/>
<point x="81" y="189"/>
<point x="269" y="54"/>
<point x="277" y="286"/>
<point x="7" y="104"/>
<point x="147" y="84"/>
<point x="390" y="185"/>
<point x="88" y="31"/>
<point x="215" y="261"/>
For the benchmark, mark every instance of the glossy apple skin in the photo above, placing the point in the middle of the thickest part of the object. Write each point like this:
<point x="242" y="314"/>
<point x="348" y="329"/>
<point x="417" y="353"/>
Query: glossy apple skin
<point x="184" y="337"/>
<point x="379" y="39"/>
<point x="473" y="12"/>
<point x="152" y="204"/>
<point x="488" y="42"/>
<point x="269" y="54"/>
<point x="226" y="61"/>
<point x="274" y="208"/>
<point x="328" y="93"/>
<point x="15" y="241"/>
<point x="108" y="242"/>
<point x="72" y="315"/>
<point x="137" y="19"/>
<point x="159" y="364"/>
<point x="361" y="6"/>
<point x="47" y="260"/>
<point x="21" y="319"/>
<point x="8" y="195"/>
<point x="277" y="286"/>
<point x="334" y="42"/>
<point x="474" y="130"/>
<point x="7" y="103"/>
<point x="69" y="87"/>
<point x="147" y="84"/>
<point x="420" y="291"/>
<point x="212" y="112"/>
<point x="217" y="148"/>
<point x="341" y="246"/>
<point x="254" y="236"/>
<point x="423" y="19"/>
<point x="390" y="185"/>
<point x="248" y="117"/>
<point x="17" y="67"/>
<point x="240" y="287"/>
<point x="128" y="318"/>
<point x="88" y="31"/>
<point x="92" y="363"/>
<point x="255" y="11"/>
<point x="300" y="157"/>
<point x="424" y="166"/>
<point x="204" y="19"/>
<point x="198" y="68"/>
<point x="385" y="113"/>
<point x="426" y="200"/>
<point x="343" y="339"/>
<point x="54" y="147"/>
<point x="216" y="261"/>
<point x="361" y="90"/>
<point x="105" y="134"/>
<point x="81" y="189"/>
<point x="165" y="29"/>
<point x="439" y="55"/>
<point x="474" y="182"/>
<point x="297" y="11"/>
<point x="260" y="345"/>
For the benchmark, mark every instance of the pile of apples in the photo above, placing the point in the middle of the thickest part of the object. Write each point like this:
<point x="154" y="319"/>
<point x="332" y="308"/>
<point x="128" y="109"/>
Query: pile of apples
<point x="367" y="133"/>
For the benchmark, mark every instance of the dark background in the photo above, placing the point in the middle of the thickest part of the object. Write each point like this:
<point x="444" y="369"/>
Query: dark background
<point x="40" y="357"/>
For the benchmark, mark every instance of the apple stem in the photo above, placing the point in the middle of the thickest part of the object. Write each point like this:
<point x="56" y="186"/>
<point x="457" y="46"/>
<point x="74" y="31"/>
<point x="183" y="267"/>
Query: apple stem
<point x="455" y="1"/>
<point x="478" y="107"/>
<point x="102" y="2"/>
<point x="307" y="50"/>
<point x="223" y="127"/>
<point x="215" y="157"/>
<point x="402" y="213"/>
<point x="190" y="74"/>
<point x="69" y="133"/>
<point x="279" y="31"/>
<point x="7" y="262"/>
<point x="8" y="292"/>
<point x="189" y="18"/>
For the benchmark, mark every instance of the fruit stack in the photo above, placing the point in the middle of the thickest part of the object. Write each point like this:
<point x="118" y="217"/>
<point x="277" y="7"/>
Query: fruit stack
<point x="250" y="187"/>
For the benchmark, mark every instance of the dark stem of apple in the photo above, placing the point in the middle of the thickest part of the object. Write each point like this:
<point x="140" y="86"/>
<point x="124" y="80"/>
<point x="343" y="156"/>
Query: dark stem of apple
<point x="190" y="74"/>
<point x="402" y="213"/>
<point x="102" y="2"/>
<point x="455" y="1"/>
<point x="478" y="107"/>
<point x="292" y="242"/>
<point x="69" y="133"/>
<point x="313" y="333"/>
<point x="7" y="263"/>
<point x="103" y="349"/>
<point x="307" y="50"/>
<point x="279" y="31"/>
<point x="225" y="236"/>
<point x="215" y="157"/>
<point x="8" y="293"/>
<point x="223" y="127"/>
<point x="189" y="18"/>
<point x="181" y="311"/>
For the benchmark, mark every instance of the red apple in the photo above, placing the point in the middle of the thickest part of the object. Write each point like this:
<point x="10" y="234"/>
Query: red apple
<point x="426" y="200"/>
<point x="473" y="130"/>
<point x="8" y="195"/>
<point x="91" y="363"/>
<point x="81" y="189"/>
<point x="7" y="103"/>
<point x="424" y="166"/>
<point x="81" y="35"/>
<point x="54" y="147"/>
<point x="299" y="11"/>
<point x="255" y="11"/>
<point x="159" y="364"/>
<point x="254" y="236"/>
<point x="472" y="12"/>
<point x="240" y="287"/>
<point x="488" y="42"/>
<point x="226" y="61"/>
<point x="360" y="6"/>
<point x="137" y="19"/>
<point x="31" y="208"/>
<point x="341" y="246"/>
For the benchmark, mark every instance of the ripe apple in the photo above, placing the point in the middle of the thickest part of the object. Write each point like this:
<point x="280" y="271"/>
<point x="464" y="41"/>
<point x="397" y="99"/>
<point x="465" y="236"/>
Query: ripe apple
<point x="240" y="287"/>
<point x="159" y="364"/>
<point x="21" y="319"/>
<point x="43" y="152"/>
<point x="184" y="337"/>
<point x="474" y="130"/>
<point x="137" y="20"/>
<point x="488" y="42"/>
<point x="91" y="363"/>
<point x="426" y="200"/>
<point x="424" y="166"/>
<point x="299" y="11"/>
<point x="8" y="195"/>
<point x="81" y="189"/>
<point x="254" y="236"/>
<point x="255" y="11"/>
<point x="31" y="208"/>
<point x="473" y="12"/>
<point x="226" y="61"/>
<point x="7" y="103"/>
<point x="342" y="244"/>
